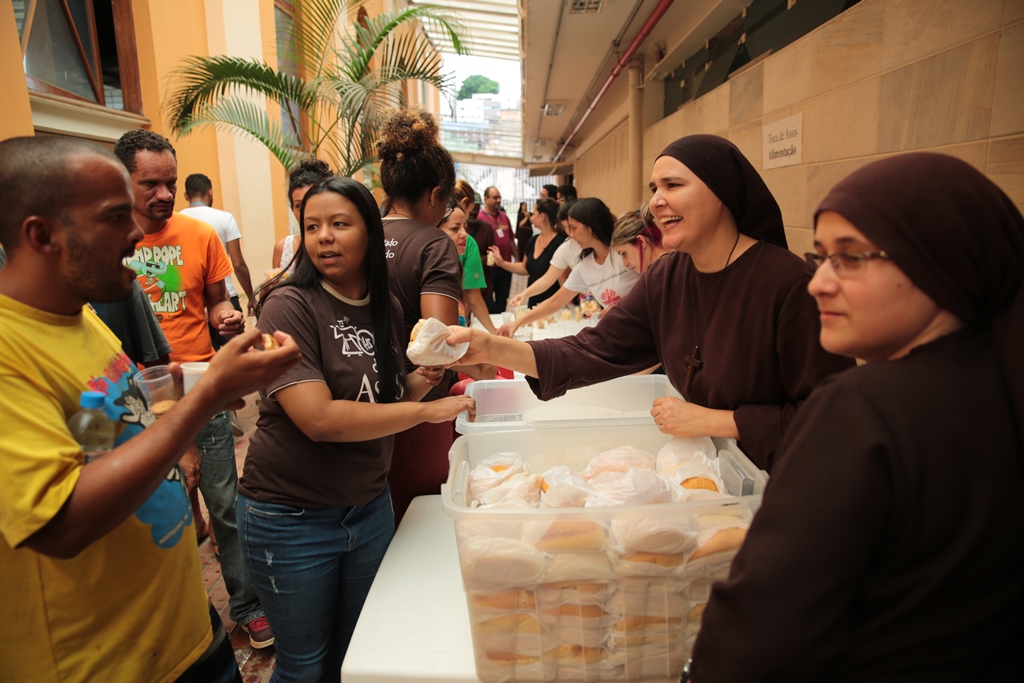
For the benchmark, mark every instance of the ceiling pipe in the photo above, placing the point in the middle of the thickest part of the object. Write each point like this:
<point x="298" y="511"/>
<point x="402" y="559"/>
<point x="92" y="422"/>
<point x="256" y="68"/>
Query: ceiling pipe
<point x="645" y="30"/>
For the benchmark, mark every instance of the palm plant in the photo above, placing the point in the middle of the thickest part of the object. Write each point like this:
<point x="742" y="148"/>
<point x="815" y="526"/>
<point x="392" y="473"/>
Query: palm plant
<point x="345" y="76"/>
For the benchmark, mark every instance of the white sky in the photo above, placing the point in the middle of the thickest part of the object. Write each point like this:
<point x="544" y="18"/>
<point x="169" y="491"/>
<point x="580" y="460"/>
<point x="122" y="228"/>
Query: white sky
<point x="504" y="71"/>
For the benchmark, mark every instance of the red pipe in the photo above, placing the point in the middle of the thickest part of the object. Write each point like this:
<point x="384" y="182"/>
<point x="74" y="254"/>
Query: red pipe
<point x="645" y="30"/>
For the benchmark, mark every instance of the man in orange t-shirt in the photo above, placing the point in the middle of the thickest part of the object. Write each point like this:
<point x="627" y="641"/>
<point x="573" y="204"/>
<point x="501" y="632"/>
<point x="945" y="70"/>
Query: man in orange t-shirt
<point x="182" y="267"/>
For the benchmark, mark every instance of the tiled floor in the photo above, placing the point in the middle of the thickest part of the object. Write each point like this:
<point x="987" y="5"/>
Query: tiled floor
<point x="256" y="665"/>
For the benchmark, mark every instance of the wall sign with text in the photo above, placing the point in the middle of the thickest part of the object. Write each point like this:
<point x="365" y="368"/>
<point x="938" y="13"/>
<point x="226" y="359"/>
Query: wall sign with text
<point x="783" y="142"/>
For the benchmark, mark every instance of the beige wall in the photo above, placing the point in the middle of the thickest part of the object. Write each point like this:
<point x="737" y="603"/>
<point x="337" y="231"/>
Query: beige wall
<point x="17" y="116"/>
<point x="600" y="170"/>
<point x="883" y="77"/>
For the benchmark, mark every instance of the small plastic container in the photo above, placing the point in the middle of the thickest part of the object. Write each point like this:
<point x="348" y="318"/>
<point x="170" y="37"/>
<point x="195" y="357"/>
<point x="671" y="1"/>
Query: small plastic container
<point x="575" y="593"/>
<point x="508" y="405"/>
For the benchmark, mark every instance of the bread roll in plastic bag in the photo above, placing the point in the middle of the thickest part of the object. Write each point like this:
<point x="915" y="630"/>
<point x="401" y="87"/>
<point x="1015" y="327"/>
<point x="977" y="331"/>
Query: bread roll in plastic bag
<point x="518" y="491"/>
<point x="492" y="472"/>
<point x="635" y="487"/>
<point x="620" y="459"/>
<point x="564" y="488"/>
<point x="428" y="346"/>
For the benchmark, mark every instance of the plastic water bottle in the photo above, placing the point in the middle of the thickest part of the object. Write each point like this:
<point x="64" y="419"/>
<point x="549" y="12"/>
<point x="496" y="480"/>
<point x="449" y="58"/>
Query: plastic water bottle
<point x="90" y="426"/>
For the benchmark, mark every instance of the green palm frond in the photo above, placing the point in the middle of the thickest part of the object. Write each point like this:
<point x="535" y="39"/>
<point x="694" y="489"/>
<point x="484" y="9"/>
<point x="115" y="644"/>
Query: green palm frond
<point x="236" y="113"/>
<point x="203" y="80"/>
<point x="339" y="99"/>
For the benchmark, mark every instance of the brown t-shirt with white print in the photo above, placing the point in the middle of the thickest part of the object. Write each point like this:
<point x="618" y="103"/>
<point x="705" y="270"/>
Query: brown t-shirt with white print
<point x="336" y="336"/>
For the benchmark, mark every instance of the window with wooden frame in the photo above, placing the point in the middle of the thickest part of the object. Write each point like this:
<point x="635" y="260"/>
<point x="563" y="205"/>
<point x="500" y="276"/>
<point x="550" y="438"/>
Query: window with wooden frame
<point x="81" y="49"/>
<point x="284" y="23"/>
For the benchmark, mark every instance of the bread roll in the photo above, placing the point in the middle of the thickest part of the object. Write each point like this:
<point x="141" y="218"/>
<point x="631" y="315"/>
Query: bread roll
<point x="659" y="559"/>
<point x="269" y="342"/>
<point x="699" y="483"/>
<point x="721" y="541"/>
<point x="416" y="329"/>
<point x="506" y="600"/>
<point x="572" y="535"/>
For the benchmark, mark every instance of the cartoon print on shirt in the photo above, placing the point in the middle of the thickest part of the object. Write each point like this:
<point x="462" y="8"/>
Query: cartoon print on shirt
<point x="158" y="270"/>
<point x="355" y="341"/>
<point x="167" y="512"/>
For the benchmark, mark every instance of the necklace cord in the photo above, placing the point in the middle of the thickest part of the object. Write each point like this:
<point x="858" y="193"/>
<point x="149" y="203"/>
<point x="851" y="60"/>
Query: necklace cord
<point x="714" y="299"/>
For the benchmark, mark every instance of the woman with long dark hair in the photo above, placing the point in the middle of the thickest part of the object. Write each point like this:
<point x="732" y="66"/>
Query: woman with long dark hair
<point x="600" y="270"/>
<point x="314" y="510"/>
<point x="538" y="251"/>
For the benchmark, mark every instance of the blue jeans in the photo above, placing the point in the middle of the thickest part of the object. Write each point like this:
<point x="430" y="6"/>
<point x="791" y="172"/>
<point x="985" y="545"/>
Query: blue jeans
<point x="313" y="570"/>
<point x="219" y="485"/>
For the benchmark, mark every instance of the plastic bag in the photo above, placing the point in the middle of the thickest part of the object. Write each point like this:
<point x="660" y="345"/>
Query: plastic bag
<point x="430" y="348"/>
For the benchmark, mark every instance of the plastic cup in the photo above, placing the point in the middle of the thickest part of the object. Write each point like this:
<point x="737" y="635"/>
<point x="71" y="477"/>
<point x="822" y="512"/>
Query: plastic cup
<point x="157" y="386"/>
<point x="191" y="372"/>
<point x="507" y="317"/>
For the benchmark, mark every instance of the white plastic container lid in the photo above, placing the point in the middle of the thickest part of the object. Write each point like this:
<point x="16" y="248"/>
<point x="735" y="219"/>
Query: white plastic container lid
<point x="511" y="405"/>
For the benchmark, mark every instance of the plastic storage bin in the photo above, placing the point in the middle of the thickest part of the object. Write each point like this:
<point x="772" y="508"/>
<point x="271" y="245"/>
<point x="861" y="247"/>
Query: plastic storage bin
<point x="504" y="404"/>
<point x="569" y="593"/>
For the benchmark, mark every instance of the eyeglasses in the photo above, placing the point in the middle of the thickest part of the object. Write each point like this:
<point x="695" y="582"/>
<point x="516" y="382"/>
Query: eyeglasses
<point x="845" y="263"/>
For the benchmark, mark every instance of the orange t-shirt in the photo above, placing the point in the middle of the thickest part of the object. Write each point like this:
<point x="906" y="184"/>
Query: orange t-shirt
<point x="174" y="266"/>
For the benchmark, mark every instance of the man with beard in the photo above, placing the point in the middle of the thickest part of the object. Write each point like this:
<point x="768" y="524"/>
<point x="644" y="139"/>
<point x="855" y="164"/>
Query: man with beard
<point x="182" y="267"/>
<point x="99" y="574"/>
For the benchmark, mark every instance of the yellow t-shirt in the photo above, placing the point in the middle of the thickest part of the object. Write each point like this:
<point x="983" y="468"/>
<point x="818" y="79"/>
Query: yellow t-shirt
<point x="131" y="606"/>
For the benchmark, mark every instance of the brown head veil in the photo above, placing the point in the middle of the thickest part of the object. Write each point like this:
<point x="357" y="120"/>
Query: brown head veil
<point x="736" y="183"/>
<point x="956" y="235"/>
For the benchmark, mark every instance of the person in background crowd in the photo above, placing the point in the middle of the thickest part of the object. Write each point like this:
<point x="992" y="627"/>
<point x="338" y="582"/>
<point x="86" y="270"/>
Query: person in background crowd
<point x="524" y="230"/>
<point x="418" y="175"/>
<point x="886" y="548"/>
<point x="481" y="232"/>
<point x="565" y="257"/>
<point x="199" y="195"/>
<point x="637" y="239"/>
<point x="454" y="225"/>
<point x="727" y="315"/>
<point x="308" y="173"/>
<point x="314" y="506"/>
<point x="566" y="193"/>
<point x="549" y="192"/>
<point x="538" y="251"/>
<point x="504" y="240"/>
<point x="600" y="271"/>
<point x="99" y="569"/>
<point x="182" y="266"/>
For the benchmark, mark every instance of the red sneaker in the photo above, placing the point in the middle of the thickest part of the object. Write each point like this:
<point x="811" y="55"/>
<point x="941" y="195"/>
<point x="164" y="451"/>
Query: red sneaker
<point x="260" y="635"/>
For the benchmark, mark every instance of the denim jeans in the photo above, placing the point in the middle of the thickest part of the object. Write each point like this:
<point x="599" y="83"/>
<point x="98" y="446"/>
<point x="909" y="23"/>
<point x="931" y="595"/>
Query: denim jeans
<point x="219" y="485"/>
<point x="314" y="569"/>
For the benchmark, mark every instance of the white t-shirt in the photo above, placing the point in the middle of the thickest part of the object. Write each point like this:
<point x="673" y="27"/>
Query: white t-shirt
<point x="567" y="255"/>
<point x="607" y="282"/>
<point x="225" y="225"/>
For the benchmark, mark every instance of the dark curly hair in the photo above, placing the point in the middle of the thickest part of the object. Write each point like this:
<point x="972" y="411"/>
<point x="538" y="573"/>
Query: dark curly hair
<point x="308" y="173"/>
<point x="138" y="140"/>
<point x="412" y="161"/>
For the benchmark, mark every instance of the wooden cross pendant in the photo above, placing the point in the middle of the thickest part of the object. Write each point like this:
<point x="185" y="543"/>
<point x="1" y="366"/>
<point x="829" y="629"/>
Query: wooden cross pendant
<point x="693" y="364"/>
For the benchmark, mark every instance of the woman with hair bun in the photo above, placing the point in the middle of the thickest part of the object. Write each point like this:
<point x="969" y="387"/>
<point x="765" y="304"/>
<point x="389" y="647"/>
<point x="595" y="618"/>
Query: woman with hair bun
<point x="418" y="175"/>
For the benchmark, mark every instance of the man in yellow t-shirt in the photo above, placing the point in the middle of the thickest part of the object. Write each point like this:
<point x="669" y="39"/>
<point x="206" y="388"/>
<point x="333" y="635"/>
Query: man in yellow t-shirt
<point x="99" y="573"/>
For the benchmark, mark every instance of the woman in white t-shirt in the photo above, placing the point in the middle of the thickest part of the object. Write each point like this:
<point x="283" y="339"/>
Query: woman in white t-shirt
<point x="600" y="270"/>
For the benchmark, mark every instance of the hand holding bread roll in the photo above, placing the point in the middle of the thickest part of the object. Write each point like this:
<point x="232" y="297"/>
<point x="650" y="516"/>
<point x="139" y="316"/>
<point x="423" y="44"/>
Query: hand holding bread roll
<point x="428" y="345"/>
